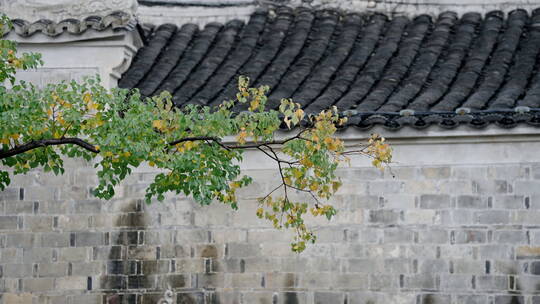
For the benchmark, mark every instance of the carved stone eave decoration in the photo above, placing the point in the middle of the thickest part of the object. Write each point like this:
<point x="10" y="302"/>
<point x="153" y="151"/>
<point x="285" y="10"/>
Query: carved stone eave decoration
<point x="56" y="17"/>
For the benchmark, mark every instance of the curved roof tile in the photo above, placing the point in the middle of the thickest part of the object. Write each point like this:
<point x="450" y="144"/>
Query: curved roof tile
<point x="447" y="71"/>
<point x="117" y="20"/>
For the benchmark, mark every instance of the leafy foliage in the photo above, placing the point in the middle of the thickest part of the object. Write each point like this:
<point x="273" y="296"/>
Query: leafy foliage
<point x="119" y="132"/>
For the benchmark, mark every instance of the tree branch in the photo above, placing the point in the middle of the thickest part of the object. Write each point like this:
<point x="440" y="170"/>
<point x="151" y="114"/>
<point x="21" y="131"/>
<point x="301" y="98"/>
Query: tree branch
<point x="232" y="147"/>
<point x="47" y="142"/>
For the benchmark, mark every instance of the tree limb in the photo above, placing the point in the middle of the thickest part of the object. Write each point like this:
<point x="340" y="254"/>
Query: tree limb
<point x="47" y="142"/>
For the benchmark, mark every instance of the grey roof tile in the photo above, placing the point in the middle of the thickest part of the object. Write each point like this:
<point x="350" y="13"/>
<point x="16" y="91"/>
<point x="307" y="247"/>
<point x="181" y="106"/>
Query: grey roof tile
<point x="391" y="71"/>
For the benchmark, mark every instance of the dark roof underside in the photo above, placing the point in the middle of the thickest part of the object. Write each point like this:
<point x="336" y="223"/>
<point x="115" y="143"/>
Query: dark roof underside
<point x="392" y="71"/>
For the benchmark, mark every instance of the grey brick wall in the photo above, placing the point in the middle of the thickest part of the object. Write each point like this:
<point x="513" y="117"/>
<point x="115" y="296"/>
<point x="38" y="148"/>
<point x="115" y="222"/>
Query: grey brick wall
<point x="433" y="234"/>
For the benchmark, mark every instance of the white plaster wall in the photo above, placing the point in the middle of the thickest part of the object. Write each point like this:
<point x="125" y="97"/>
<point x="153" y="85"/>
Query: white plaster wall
<point x="108" y="57"/>
<point x="199" y="15"/>
<point x="415" y="7"/>
<point x="57" y="10"/>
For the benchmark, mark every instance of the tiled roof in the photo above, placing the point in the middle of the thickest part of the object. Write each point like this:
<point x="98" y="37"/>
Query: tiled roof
<point x="210" y="3"/>
<point x="447" y="71"/>
<point x="116" y="21"/>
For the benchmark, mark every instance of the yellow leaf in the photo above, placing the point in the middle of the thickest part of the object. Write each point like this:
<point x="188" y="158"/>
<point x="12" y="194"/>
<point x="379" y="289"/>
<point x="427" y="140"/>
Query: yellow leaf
<point x="299" y="114"/>
<point x="15" y="136"/>
<point x="4" y="141"/>
<point x="158" y="124"/>
<point x="151" y="163"/>
<point x="87" y="97"/>
<point x="108" y="154"/>
<point x="254" y="105"/>
<point x="287" y="122"/>
<point x="91" y="106"/>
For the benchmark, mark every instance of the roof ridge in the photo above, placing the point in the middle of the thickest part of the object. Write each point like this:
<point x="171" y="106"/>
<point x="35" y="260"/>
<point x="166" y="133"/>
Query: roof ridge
<point x="116" y="20"/>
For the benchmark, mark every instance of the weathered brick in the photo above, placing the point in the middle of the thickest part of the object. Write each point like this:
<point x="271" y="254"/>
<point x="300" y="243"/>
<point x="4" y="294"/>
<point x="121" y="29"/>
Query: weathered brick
<point x="527" y="187"/>
<point x="510" y="237"/>
<point x="73" y="222"/>
<point x="211" y="280"/>
<point x="21" y="240"/>
<point x="142" y="252"/>
<point x="71" y="283"/>
<point x="433" y="266"/>
<point x="491" y="217"/>
<point x="472" y="201"/>
<point x="37" y="255"/>
<point x="243" y="250"/>
<point x="115" y="282"/>
<point x="467" y="266"/>
<point x="434" y="298"/>
<point x="528" y="252"/>
<point x="468" y="236"/>
<point x="505" y="267"/>
<point x="38" y="223"/>
<point x="83" y="239"/>
<point x="420" y="217"/>
<point x="491" y="187"/>
<point x="386" y="187"/>
<point x="38" y="284"/>
<point x="328" y="298"/>
<point x="490" y="282"/>
<point x="54" y="239"/>
<point x="498" y="252"/>
<point x="87" y="268"/>
<point x="436" y="172"/>
<point x="86" y="206"/>
<point x="17" y="270"/>
<point x="8" y="222"/>
<point x="381" y="281"/>
<point x="190" y="236"/>
<point x="525" y="217"/>
<point x="19" y="298"/>
<point x="383" y="216"/>
<point x="350" y="281"/>
<point x="73" y="254"/>
<point x="472" y="299"/>
<point x="508" y="202"/>
<point x="18" y="207"/>
<point x="433" y="236"/>
<point x="259" y="264"/>
<point x="52" y="270"/>
<point x="280" y="280"/>
<point x="9" y="194"/>
<point x="141" y="282"/>
<point x="11" y="255"/>
<point x="527" y="283"/>
<point x="364" y="235"/>
<point x="37" y="193"/>
<point x="398" y="236"/>
<point x="364" y="265"/>
<point x="257" y="296"/>
<point x="398" y="201"/>
<point x="244" y="280"/>
<point x="315" y="280"/>
<point x="434" y="201"/>
<point x="509" y="299"/>
<point x="420" y="281"/>
<point x="456" y="251"/>
<point x="456" y="282"/>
